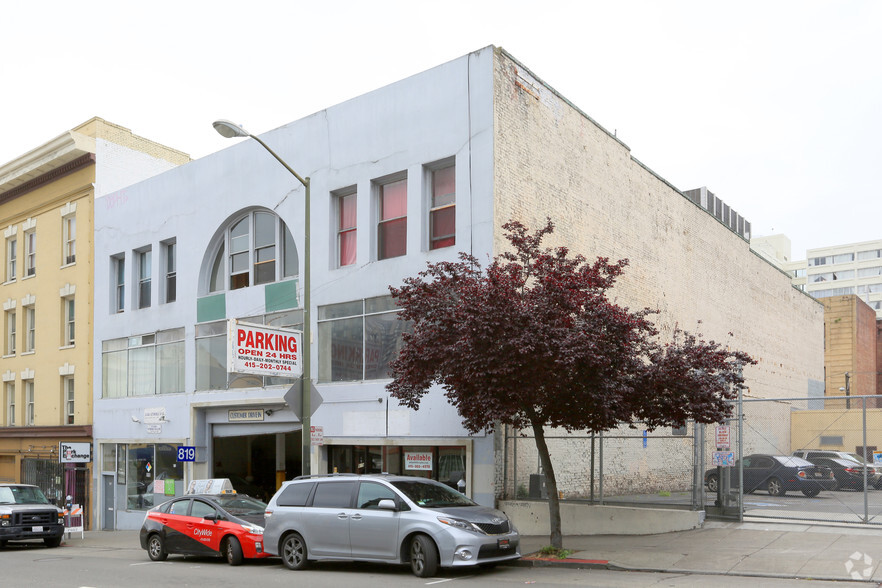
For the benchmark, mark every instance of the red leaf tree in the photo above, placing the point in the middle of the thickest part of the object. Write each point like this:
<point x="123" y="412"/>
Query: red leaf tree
<point x="533" y="341"/>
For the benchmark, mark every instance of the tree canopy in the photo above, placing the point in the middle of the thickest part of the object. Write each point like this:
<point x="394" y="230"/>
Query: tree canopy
<point x="534" y="338"/>
<point x="534" y="341"/>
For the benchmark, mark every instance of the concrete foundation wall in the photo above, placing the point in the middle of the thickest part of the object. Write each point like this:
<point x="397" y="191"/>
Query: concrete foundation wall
<point x="531" y="518"/>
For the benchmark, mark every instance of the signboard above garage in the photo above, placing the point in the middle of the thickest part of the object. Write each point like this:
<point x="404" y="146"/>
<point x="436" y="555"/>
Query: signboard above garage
<point x="263" y="350"/>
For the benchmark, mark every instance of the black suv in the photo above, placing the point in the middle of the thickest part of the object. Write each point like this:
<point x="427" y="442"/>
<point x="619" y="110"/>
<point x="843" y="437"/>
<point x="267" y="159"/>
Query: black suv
<point x="25" y="513"/>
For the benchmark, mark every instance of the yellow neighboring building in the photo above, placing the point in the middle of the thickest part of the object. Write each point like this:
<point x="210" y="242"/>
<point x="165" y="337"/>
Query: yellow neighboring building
<point x="47" y="197"/>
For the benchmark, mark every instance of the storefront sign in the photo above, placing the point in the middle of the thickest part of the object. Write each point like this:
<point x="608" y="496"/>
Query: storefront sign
<point x="258" y="349"/>
<point x="247" y="415"/>
<point x="154" y="416"/>
<point x="74" y="452"/>
<point x="418" y="460"/>
<point x="154" y="429"/>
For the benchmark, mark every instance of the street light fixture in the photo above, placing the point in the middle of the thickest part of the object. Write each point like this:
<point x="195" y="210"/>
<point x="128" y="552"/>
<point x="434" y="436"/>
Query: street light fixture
<point x="231" y="130"/>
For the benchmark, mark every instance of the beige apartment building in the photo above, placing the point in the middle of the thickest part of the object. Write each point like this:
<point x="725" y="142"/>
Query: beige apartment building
<point x="839" y="270"/>
<point x="47" y="199"/>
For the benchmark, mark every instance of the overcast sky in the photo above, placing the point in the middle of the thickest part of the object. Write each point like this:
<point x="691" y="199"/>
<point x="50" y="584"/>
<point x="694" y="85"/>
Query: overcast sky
<point x="775" y="106"/>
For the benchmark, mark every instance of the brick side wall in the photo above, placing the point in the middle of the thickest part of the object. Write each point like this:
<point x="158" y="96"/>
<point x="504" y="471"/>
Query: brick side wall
<point x="554" y="161"/>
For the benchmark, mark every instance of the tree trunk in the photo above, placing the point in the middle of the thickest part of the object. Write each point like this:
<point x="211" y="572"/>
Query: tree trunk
<point x="550" y="484"/>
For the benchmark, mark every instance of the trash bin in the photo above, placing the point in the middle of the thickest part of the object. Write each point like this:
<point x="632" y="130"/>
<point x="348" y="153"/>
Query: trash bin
<point x="537" y="486"/>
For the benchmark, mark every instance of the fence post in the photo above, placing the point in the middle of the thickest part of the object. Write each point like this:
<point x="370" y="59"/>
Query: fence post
<point x="864" y="452"/>
<point x="600" y="472"/>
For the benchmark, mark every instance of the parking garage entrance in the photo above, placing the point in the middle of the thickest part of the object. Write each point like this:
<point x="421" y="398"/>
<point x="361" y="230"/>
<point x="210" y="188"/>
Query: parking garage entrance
<point x="256" y="463"/>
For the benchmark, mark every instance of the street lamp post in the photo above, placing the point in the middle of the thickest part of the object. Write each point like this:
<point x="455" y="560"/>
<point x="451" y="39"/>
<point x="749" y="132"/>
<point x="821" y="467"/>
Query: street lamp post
<point x="231" y="130"/>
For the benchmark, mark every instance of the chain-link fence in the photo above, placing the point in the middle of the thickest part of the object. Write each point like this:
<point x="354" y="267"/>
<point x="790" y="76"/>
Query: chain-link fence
<point x="809" y="459"/>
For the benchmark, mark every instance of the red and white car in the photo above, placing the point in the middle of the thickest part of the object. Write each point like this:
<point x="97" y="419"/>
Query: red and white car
<point x="224" y="524"/>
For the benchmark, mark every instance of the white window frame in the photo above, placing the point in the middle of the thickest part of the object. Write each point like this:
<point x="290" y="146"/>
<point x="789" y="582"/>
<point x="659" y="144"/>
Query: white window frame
<point x="70" y="321"/>
<point x="170" y="268"/>
<point x="30" y="239"/>
<point x="68" y="400"/>
<point x="10" y="332"/>
<point x="69" y="239"/>
<point x="10" y="403"/>
<point x="30" y="325"/>
<point x="145" y="277"/>
<point x="29" y="402"/>
<point x="11" y="259"/>
<point x="118" y="266"/>
<point x="433" y="208"/>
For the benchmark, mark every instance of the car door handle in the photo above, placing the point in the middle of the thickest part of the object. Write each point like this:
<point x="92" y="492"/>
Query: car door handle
<point x="342" y="515"/>
<point x="355" y="517"/>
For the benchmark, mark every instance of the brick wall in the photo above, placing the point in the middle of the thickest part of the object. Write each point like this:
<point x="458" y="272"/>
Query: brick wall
<point x="552" y="160"/>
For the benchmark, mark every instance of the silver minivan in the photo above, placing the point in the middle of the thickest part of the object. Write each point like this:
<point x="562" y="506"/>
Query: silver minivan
<point x="385" y="518"/>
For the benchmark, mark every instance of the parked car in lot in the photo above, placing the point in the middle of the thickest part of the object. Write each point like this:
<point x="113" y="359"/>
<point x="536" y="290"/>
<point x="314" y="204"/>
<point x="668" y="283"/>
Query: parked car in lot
<point x="849" y="473"/>
<point x="874" y="474"/>
<point x="224" y="524"/>
<point x="777" y="474"/>
<point x="385" y="518"/>
<point x="26" y="513"/>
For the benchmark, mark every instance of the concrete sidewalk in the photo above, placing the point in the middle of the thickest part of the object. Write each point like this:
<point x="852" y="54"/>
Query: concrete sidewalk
<point x="770" y="550"/>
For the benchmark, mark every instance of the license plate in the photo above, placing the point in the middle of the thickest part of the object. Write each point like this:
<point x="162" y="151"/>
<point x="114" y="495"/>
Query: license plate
<point x="503" y="544"/>
<point x="37" y="529"/>
<point x="819" y="475"/>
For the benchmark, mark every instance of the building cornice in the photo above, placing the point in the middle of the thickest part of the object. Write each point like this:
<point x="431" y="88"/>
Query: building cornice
<point x="47" y="177"/>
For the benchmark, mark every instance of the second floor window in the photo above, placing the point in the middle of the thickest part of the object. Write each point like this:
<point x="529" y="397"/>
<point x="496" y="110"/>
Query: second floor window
<point x="257" y="248"/>
<point x="171" y="272"/>
<point x="31" y="326"/>
<point x="29" y="402"/>
<point x="10" y="404"/>
<point x="69" y="327"/>
<point x="144" y="278"/>
<point x="442" y="214"/>
<point x="10" y="332"/>
<point x="68" y="387"/>
<point x="392" y="227"/>
<point x="119" y="273"/>
<point x="347" y="229"/>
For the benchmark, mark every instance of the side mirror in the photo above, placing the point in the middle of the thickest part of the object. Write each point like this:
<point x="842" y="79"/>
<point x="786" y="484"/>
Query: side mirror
<point x="387" y="504"/>
<point x="213" y="518"/>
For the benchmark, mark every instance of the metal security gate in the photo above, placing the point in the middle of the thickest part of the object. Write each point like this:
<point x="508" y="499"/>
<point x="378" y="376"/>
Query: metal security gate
<point x="57" y="481"/>
<point x="48" y="474"/>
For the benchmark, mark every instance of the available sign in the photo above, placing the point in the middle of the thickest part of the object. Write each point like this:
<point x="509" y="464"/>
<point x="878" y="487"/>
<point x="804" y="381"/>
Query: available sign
<point x="267" y="351"/>
<point x="418" y="460"/>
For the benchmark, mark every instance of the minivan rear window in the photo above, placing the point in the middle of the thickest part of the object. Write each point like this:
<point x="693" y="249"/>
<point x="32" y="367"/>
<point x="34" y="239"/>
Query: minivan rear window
<point x="295" y="494"/>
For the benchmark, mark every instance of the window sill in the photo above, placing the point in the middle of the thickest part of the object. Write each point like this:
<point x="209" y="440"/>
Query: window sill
<point x="71" y="346"/>
<point x="23" y="278"/>
<point x="31" y="352"/>
<point x="8" y="356"/>
<point x="12" y="281"/>
<point x="67" y="265"/>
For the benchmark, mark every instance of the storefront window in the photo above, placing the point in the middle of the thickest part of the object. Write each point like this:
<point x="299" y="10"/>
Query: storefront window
<point x="446" y="464"/>
<point x="146" y="463"/>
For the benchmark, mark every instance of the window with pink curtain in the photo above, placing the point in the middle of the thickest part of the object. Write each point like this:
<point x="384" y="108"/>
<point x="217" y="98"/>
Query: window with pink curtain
<point x="392" y="229"/>
<point x="346" y="229"/>
<point x="442" y="216"/>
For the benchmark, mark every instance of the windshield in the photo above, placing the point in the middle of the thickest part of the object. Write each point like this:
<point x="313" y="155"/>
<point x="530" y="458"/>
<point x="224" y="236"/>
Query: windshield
<point x="22" y="495"/>
<point x="241" y="504"/>
<point x="429" y="494"/>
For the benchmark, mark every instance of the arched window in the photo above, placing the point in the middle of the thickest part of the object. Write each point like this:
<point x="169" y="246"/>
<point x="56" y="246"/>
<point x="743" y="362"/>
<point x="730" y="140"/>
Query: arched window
<point x="257" y="248"/>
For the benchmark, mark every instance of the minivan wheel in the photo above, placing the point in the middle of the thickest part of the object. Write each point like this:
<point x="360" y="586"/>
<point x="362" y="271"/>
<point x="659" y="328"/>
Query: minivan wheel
<point x="423" y="557"/>
<point x="294" y="552"/>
